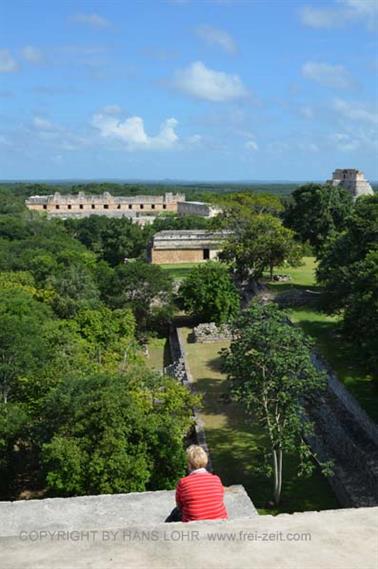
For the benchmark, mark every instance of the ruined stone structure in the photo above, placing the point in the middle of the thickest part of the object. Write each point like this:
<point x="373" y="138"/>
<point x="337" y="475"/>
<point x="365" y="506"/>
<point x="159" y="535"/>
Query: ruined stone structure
<point x="198" y="208"/>
<point x="208" y="332"/>
<point x="353" y="181"/>
<point x="140" y="209"/>
<point x="185" y="246"/>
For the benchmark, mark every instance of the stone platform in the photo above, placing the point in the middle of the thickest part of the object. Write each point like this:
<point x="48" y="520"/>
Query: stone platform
<point x="126" y="532"/>
<point x="107" y="510"/>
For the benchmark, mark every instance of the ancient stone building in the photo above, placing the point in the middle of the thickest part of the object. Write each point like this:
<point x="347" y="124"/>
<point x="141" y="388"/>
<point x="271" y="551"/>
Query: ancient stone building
<point x="353" y="181"/>
<point x="198" y="208"/>
<point x="138" y="208"/>
<point x="185" y="246"/>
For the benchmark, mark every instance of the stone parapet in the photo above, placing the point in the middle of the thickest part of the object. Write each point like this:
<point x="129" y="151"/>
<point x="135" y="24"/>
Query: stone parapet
<point x="332" y="539"/>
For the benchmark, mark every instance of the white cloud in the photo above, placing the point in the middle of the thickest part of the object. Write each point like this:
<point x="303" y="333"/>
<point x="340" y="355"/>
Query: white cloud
<point x="32" y="54"/>
<point x="195" y="139"/>
<point x="336" y="76"/>
<point x="217" y="37"/>
<point x="7" y="63"/>
<point x="251" y="145"/>
<point x="41" y="123"/>
<point x="344" y="142"/>
<point x="112" y="109"/>
<point x="321" y="17"/>
<point x="93" y="20"/>
<point x="344" y="12"/>
<point x="131" y="131"/>
<point x="356" y="111"/>
<point x="201" y="82"/>
<point x="55" y="135"/>
<point x="306" y="112"/>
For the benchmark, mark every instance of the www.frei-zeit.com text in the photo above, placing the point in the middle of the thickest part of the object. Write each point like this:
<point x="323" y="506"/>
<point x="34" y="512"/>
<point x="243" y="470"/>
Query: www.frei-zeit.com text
<point x="127" y="535"/>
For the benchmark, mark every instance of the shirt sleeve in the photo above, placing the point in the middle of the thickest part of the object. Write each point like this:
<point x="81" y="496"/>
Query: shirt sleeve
<point x="178" y="494"/>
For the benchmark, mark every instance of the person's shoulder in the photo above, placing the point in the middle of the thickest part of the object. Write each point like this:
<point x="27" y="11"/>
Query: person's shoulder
<point x="217" y="478"/>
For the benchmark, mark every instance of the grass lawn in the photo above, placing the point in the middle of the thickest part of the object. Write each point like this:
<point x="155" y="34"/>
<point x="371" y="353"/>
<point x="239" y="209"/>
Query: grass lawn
<point x="237" y="445"/>
<point x="303" y="276"/>
<point x="179" y="271"/>
<point x="157" y="353"/>
<point x="324" y="328"/>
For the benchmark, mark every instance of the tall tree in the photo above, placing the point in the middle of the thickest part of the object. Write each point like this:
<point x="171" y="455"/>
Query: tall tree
<point x="271" y="372"/>
<point x="258" y="244"/>
<point x="146" y="289"/>
<point x="348" y="271"/>
<point x="123" y="433"/>
<point x="209" y="293"/>
<point x="316" y="212"/>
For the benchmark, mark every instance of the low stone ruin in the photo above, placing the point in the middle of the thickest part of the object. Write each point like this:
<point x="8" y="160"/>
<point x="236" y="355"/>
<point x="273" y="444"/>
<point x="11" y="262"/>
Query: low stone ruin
<point x="210" y="332"/>
<point x="177" y="370"/>
<point x="280" y="278"/>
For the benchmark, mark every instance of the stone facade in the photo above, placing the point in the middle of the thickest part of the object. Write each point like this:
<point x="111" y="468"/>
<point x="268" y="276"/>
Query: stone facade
<point x="185" y="246"/>
<point x="198" y="208"/>
<point x="138" y="208"/>
<point x="353" y="181"/>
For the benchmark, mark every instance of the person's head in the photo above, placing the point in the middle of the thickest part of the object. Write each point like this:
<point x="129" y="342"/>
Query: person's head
<point x="196" y="457"/>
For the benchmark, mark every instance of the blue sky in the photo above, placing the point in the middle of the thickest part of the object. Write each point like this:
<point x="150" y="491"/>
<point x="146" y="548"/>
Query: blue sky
<point x="188" y="89"/>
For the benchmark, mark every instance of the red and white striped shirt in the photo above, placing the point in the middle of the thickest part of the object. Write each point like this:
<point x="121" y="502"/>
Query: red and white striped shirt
<point x="199" y="496"/>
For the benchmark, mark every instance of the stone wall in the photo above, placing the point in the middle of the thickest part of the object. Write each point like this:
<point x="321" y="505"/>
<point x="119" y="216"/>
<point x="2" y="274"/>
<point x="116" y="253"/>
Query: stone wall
<point x="209" y="332"/>
<point x="81" y="203"/>
<point x="180" y="369"/>
<point x="198" y="208"/>
<point x="346" y="435"/>
<point x="173" y="256"/>
<point x="186" y="245"/>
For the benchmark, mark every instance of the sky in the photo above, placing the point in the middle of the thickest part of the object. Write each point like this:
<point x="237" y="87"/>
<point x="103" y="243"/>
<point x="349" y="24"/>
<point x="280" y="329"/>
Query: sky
<point x="216" y="90"/>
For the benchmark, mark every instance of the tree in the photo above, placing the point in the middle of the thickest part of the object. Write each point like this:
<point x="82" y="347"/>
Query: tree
<point x="361" y="309"/>
<point x="271" y="372"/>
<point x="258" y="244"/>
<point x="74" y="288"/>
<point x="316" y="212"/>
<point x="178" y="222"/>
<point x="22" y="346"/>
<point x="111" y="239"/>
<point x="348" y="272"/>
<point x="146" y="289"/>
<point x="244" y="205"/>
<point x="115" y="433"/>
<point x="209" y="293"/>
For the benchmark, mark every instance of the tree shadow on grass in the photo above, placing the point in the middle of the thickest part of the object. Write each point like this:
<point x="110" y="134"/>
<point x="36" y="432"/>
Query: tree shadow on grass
<point x="320" y="329"/>
<point x="216" y="364"/>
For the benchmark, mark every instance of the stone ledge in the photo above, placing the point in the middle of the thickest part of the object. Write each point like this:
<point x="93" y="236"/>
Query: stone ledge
<point x="106" y="510"/>
<point x="340" y="539"/>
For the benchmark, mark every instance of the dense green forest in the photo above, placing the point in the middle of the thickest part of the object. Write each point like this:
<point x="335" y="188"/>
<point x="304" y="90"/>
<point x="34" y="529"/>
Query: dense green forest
<point x="80" y="412"/>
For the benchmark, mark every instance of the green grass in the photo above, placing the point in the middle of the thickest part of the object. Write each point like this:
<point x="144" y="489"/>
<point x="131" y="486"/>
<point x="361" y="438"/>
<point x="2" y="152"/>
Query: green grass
<point x="157" y="353"/>
<point x="303" y="276"/>
<point x="343" y="358"/>
<point x="237" y="444"/>
<point x="179" y="271"/>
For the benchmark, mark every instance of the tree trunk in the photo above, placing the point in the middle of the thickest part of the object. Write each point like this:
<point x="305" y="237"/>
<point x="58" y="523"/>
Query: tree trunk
<point x="277" y="464"/>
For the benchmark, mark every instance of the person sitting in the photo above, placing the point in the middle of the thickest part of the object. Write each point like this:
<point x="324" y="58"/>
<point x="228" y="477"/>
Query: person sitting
<point x="199" y="496"/>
